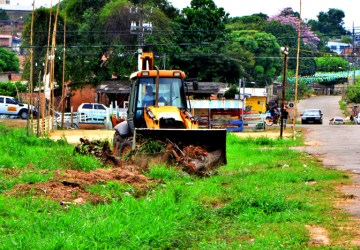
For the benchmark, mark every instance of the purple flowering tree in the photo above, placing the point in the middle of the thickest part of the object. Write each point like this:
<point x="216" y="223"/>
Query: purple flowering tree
<point x="289" y="17"/>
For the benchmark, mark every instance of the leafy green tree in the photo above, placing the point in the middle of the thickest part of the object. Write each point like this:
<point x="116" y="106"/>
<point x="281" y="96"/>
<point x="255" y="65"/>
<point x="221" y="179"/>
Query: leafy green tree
<point x="353" y="93"/>
<point x="83" y="53"/>
<point x="231" y="92"/>
<point x="201" y="38"/>
<point x="170" y="11"/>
<point x="76" y="8"/>
<point x="331" y="64"/>
<point x="252" y="22"/>
<point x="40" y="43"/>
<point x="209" y="67"/>
<point x="3" y="15"/>
<point x="8" y="61"/>
<point x="12" y="88"/>
<point x="203" y="22"/>
<point x="330" y="23"/>
<point x="266" y="54"/>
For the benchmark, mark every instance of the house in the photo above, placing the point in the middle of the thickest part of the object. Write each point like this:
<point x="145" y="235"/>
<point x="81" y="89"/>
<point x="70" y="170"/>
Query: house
<point x="337" y="47"/>
<point x="256" y="100"/>
<point x="10" y="30"/>
<point x="114" y="91"/>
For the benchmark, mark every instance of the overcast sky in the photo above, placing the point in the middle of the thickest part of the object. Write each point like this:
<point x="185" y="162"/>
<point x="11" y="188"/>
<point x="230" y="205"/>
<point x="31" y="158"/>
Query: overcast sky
<point x="309" y="8"/>
<point x="38" y="3"/>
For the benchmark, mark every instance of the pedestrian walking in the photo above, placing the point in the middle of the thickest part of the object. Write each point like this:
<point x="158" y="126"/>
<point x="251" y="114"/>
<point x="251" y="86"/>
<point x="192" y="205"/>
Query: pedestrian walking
<point x="284" y="117"/>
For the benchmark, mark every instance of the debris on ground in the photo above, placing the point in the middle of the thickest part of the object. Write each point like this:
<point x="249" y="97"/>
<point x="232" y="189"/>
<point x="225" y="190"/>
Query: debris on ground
<point x="70" y="186"/>
<point x="100" y="149"/>
<point x="194" y="160"/>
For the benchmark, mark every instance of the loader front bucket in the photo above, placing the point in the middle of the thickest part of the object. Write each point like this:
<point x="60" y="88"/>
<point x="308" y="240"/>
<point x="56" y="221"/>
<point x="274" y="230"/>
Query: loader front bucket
<point x="212" y="141"/>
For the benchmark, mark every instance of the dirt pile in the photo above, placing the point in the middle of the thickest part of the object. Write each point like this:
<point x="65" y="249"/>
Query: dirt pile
<point x="70" y="186"/>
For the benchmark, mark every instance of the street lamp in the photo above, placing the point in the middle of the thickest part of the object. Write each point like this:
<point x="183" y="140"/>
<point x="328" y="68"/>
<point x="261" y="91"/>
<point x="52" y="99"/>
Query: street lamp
<point x="285" y="51"/>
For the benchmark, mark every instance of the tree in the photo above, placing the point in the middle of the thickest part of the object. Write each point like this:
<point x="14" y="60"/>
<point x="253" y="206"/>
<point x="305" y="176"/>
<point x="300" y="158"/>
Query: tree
<point x="286" y="35"/>
<point x="12" y="88"/>
<point x="165" y="7"/>
<point x="353" y="93"/>
<point x="288" y="16"/>
<point x="330" y="23"/>
<point x="3" y="15"/>
<point x="9" y="62"/>
<point x="40" y="43"/>
<point x="331" y="64"/>
<point x="203" y="22"/>
<point x="202" y="35"/>
<point x="253" y="22"/>
<point x="266" y="53"/>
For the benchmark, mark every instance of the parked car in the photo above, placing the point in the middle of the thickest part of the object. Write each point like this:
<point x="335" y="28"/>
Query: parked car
<point x="95" y="112"/>
<point x="315" y="110"/>
<point x="10" y="106"/>
<point x="313" y="116"/>
<point x="357" y="119"/>
<point x="336" y="121"/>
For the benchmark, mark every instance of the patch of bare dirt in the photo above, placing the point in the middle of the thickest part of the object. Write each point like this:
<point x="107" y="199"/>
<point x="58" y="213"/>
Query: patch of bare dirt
<point x="70" y="186"/>
<point x="72" y="136"/>
<point x="271" y="133"/>
<point x="13" y="123"/>
<point x="318" y="236"/>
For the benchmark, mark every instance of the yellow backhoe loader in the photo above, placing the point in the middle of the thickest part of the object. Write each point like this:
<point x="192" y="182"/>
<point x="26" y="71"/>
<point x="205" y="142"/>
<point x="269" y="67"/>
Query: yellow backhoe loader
<point x="158" y="109"/>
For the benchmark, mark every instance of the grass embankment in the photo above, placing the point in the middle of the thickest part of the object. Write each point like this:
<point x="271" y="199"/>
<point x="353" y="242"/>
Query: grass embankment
<point x="262" y="199"/>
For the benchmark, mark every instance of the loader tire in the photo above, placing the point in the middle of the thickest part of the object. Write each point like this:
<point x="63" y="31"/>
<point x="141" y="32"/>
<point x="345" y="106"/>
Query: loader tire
<point x="117" y="141"/>
<point x="125" y="149"/>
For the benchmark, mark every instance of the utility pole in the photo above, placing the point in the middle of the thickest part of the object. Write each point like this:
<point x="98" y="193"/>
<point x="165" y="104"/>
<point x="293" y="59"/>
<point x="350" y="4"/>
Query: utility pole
<point x="285" y="51"/>
<point x="244" y="98"/>
<point x="140" y="27"/>
<point x="354" y="54"/>
<point x="297" y="73"/>
<point x="242" y="118"/>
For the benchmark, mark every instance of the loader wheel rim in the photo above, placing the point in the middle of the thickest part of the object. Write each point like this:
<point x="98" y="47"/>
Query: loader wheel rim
<point x="126" y="150"/>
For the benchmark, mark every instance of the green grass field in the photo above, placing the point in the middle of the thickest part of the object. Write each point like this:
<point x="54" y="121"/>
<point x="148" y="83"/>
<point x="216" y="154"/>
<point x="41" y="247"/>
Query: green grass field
<point x="264" y="198"/>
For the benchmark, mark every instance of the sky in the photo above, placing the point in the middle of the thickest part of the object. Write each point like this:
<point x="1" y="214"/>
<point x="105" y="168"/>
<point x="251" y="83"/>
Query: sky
<point x="309" y="8"/>
<point x="38" y="3"/>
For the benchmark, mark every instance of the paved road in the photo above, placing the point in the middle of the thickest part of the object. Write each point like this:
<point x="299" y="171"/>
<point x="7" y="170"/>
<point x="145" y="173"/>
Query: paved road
<point x="337" y="145"/>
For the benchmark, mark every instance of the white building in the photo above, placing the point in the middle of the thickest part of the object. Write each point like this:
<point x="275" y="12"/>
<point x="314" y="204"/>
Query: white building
<point x="337" y="47"/>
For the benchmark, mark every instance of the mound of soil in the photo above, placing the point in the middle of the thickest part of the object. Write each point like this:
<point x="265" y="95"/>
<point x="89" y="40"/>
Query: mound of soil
<point x="70" y="186"/>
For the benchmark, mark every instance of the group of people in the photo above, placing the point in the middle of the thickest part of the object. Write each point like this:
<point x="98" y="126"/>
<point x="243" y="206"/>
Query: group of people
<point x="276" y="113"/>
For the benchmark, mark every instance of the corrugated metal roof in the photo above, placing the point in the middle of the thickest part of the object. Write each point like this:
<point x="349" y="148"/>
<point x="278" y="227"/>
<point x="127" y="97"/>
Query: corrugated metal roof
<point x="114" y="86"/>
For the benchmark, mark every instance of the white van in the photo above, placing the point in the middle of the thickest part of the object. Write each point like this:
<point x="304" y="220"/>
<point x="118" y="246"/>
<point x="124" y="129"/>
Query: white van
<point x="92" y="112"/>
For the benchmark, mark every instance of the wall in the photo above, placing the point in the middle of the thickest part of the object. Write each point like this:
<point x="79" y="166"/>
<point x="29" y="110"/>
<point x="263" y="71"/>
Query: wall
<point x="257" y="103"/>
<point x="85" y="94"/>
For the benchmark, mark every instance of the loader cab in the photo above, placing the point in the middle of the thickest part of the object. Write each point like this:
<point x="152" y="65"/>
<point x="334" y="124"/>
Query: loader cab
<point x="143" y="94"/>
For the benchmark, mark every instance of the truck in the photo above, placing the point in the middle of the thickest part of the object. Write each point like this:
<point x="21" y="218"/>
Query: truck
<point x="159" y="109"/>
<point x="11" y="107"/>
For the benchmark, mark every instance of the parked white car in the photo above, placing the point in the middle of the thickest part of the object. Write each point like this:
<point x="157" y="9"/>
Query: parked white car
<point x="337" y="121"/>
<point x="10" y="106"/>
<point x="94" y="112"/>
<point x="357" y="119"/>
